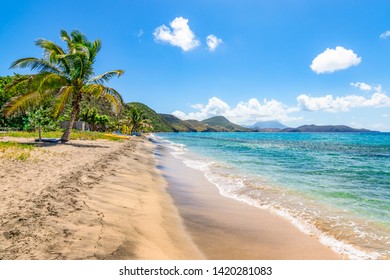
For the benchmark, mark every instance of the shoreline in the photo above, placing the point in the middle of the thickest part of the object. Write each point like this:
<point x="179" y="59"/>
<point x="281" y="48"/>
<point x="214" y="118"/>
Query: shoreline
<point x="225" y="228"/>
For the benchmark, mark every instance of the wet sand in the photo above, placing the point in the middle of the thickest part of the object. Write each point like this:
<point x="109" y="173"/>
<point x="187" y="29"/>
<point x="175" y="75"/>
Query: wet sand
<point x="224" y="228"/>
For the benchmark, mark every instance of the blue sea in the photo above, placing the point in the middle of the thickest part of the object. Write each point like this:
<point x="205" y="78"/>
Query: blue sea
<point x="335" y="186"/>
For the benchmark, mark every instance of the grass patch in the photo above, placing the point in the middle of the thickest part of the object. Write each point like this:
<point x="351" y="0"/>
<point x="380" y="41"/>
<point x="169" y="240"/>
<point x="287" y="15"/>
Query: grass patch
<point x="33" y="134"/>
<point x="88" y="135"/>
<point x="15" y="151"/>
<point x="75" y="135"/>
<point x="5" y="145"/>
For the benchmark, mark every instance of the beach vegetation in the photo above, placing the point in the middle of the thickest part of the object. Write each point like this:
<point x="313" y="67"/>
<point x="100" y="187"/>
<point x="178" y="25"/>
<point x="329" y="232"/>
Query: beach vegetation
<point x="96" y="121"/>
<point x="76" y="135"/>
<point x="12" y="122"/>
<point x="159" y="124"/>
<point x="40" y="119"/>
<point x="136" y="122"/>
<point x="15" y="151"/>
<point x="65" y="77"/>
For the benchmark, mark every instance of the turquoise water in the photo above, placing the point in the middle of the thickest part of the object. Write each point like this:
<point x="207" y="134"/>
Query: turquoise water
<point x="335" y="186"/>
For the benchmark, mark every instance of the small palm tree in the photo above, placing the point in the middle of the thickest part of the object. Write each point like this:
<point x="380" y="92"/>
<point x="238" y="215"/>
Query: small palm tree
<point x="137" y="121"/>
<point x="67" y="75"/>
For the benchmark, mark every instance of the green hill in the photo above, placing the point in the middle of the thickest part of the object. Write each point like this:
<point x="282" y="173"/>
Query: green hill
<point x="199" y="126"/>
<point x="177" y="124"/>
<point x="170" y="123"/>
<point x="220" y="123"/>
<point x="159" y="123"/>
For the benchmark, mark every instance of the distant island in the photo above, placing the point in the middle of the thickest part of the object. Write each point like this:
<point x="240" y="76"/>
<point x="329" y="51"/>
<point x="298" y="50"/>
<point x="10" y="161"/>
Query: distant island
<point x="170" y="123"/>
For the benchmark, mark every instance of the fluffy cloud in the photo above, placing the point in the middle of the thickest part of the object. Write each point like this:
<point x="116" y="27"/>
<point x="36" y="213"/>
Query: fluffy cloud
<point x="251" y="111"/>
<point x="213" y="42"/>
<point x="245" y="112"/>
<point x="341" y="104"/>
<point x="332" y="60"/>
<point x="385" y="34"/>
<point x="214" y="107"/>
<point x="362" y="86"/>
<point x="179" y="35"/>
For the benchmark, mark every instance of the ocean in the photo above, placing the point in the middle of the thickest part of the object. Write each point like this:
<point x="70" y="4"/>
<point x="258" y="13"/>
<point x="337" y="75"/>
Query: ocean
<point x="335" y="186"/>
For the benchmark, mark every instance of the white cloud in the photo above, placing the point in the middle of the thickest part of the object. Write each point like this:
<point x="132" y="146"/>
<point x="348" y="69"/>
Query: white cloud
<point x="332" y="60"/>
<point x="367" y="87"/>
<point x="385" y="115"/>
<point x="342" y="104"/>
<point x="215" y="107"/>
<point x="140" y="33"/>
<point x="179" y="35"/>
<point x="362" y="86"/>
<point x="385" y="34"/>
<point x="245" y="112"/>
<point x="213" y="42"/>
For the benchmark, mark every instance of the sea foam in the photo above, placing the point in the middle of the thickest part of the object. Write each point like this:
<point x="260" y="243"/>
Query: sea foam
<point x="233" y="184"/>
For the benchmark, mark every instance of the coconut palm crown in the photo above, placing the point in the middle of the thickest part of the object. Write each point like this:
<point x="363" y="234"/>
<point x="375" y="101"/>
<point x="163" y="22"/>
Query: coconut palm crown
<point x="66" y="76"/>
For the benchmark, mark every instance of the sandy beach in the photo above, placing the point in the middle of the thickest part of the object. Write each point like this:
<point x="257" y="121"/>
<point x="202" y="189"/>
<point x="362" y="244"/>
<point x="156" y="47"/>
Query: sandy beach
<point x="107" y="200"/>
<point x="89" y="200"/>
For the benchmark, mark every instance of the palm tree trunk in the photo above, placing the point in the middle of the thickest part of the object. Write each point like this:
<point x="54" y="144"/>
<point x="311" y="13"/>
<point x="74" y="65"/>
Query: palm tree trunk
<point x="73" y="115"/>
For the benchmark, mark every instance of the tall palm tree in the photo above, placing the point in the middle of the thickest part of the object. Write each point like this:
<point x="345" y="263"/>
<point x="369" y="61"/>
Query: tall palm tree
<point x="67" y="75"/>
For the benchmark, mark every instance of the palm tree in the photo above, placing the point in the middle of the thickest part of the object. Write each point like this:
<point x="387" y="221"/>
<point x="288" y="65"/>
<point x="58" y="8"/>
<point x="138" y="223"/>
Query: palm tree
<point x="67" y="75"/>
<point x="137" y="121"/>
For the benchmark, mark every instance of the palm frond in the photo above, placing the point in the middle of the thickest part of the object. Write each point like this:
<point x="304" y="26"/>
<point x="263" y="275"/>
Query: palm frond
<point x="21" y="103"/>
<point x="105" y="77"/>
<point x="95" y="49"/>
<point x="83" y="50"/>
<point x="115" y="103"/>
<point x="64" y="95"/>
<point x="96" y="46"/>
<point x="64" y="36"/>
<point x="51" y="81"/>
<point x="94" y="90"/>
<point x="112" y="92"/>
<point x="51" y="49"/>
<point x="78" y="37"/>
<point x="19" y="80"/>
<point x="33" y="63"/>
<point x="103" y="92"/>
<point x="53" y="53"/>
<point x="76" y="65"/>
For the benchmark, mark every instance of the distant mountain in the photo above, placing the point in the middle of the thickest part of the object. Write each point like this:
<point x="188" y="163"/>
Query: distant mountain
<point x="263" y="125"/>
<point x="220" y="123"/>
<point x="325" y="128"/>
<point x="170" y="123"/>
<point x="177" y="124"/>
<point x="201" y="127"/>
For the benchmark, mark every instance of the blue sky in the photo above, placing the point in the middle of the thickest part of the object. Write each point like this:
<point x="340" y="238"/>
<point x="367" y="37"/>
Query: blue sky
<point x="298" y="61"/>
